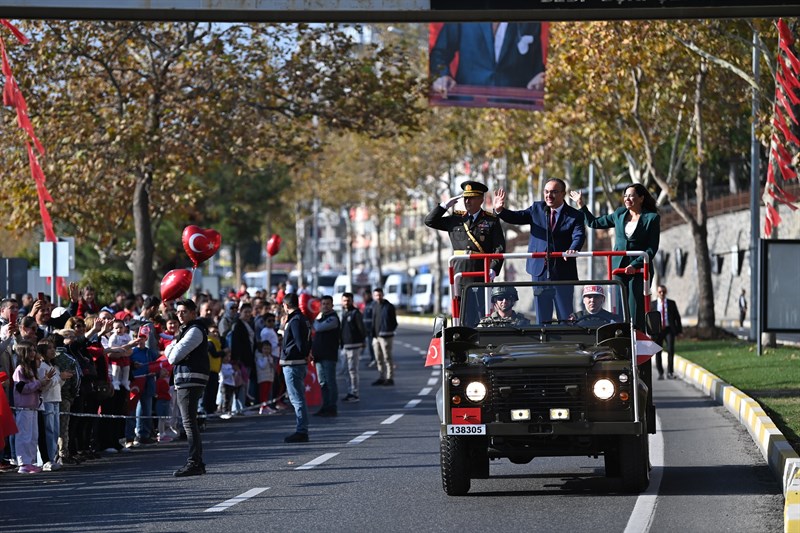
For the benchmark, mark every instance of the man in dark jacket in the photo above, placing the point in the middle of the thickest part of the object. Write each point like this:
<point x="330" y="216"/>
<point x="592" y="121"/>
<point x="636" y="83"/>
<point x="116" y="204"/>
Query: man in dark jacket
<point x="353" y="337"/>
<point x="294" y="361"/>
<point x="384" y="322"/>
<point x="325" y="351"/>
<point x="189" y="357"/>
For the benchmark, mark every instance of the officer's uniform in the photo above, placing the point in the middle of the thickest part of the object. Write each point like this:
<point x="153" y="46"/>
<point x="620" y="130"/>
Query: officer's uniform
<point x="471" y="235"/>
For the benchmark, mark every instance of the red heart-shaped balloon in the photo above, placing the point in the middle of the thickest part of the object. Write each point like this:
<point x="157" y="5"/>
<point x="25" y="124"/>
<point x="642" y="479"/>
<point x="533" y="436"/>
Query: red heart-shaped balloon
<point x="175" y="283"/>
<point x="274" y="244"/>
<point x="200" y="244"/>
<point x="308" y="306"/>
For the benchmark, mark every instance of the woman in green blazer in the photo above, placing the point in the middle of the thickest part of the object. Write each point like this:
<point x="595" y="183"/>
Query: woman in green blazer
<point x="637" y="227"/>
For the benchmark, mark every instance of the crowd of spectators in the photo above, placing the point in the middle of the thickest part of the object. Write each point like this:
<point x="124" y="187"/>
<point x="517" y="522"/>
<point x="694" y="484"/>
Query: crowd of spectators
<point x="86" y="379"/>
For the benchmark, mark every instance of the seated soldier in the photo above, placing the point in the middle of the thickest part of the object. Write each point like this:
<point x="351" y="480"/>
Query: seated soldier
<point x="503" y="300"/>
<point x="594" y="314"/>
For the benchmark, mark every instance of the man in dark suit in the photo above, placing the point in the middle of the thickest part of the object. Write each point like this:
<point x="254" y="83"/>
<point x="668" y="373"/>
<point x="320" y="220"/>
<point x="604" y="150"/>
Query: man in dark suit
<point x="555" y="227"/>
<point x="670" y="327"/>
<point x="495" y="54"/>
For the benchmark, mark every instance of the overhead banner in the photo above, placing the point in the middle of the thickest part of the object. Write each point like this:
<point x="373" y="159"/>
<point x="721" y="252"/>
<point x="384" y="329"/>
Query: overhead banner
<point x="488" y="64"/>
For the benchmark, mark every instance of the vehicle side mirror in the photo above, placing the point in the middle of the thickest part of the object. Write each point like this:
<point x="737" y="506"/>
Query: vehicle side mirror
<point x="439" y="323"/>
<point x="653" y="323"/>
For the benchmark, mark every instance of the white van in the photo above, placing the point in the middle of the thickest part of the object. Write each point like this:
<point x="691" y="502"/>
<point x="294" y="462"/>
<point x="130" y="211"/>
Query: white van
<point x="397" y="289"/>
<point x="422" y="294"/>
<point x="341" y="285"/>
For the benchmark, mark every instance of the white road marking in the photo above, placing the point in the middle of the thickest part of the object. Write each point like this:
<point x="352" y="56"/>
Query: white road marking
<point x="364" y="436"/>
<point x="413" y="403"/>
<point x="425" y="391"/>
<point x="392" y="419"/>
<point x="433" y="381"/>
<point x="645" y="509"/>
<point x="233" y="501"/>
<point x="318" y="461"/>
<point x="436" y="372"/>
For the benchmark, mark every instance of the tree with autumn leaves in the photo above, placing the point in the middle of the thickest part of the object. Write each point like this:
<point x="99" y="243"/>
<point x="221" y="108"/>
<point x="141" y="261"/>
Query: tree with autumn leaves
<point x="139" y="118"/>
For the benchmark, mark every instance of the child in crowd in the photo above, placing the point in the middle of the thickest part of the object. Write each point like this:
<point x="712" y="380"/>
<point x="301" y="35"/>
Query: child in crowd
<point x="51" y="401"/>
<point x="265" y="373"/>
<point x="118" y="343"/>
<point x="171" y="329"/>
<point x="27" y="393"/>
<point x="215" y="353"/>
<point x="163" y="398"/>
<point x="228" y="372"/>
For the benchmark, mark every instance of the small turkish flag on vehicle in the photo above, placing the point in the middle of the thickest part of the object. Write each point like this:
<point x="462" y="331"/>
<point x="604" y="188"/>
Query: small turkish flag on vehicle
<point x="645" y="348"/>
<point x="435" y="352"/>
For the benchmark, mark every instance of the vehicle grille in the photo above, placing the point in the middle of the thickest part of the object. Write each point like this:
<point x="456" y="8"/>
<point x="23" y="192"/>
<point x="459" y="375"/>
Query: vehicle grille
<point x="538" y="390"/>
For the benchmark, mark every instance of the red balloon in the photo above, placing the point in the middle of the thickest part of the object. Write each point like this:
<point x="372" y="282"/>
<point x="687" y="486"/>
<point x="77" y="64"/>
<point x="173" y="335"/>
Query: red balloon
<point x="308" y="306"/>
<point x="175" y="283"/>
<point x="274" y="244"/>
<point x="200" y="244"/>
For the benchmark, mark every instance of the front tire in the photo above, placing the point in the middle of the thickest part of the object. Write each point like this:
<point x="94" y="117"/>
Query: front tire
<point x="454" y="457"/>
<point x="634" y="455"/>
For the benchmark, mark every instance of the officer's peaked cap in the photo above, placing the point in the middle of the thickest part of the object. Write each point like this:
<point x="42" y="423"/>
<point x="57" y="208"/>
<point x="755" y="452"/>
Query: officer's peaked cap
<point x="474" y="188"/>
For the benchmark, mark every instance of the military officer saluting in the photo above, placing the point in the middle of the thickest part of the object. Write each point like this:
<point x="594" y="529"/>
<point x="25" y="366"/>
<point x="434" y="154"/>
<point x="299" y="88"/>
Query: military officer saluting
<point x="473" y="231"/>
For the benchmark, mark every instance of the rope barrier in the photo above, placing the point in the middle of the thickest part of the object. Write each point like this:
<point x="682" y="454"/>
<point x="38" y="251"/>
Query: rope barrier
<point x="270" y="404"/>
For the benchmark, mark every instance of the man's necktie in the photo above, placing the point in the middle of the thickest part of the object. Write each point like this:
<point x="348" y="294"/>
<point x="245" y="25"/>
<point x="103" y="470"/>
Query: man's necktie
<point x="553" y="215"/>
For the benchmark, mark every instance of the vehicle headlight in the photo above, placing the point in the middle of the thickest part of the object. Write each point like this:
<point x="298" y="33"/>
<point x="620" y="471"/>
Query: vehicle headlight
<point x="603" y="389"/>
<point x="476" y="391"/>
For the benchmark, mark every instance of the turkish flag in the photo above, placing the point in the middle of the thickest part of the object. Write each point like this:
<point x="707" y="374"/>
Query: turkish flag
<point x="645" y="347"/>
<point x="435" y="352"/>
<point x="313" y="388"/>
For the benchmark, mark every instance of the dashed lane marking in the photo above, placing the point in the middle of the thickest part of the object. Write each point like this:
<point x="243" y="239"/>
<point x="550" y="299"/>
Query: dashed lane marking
<point x="364" y="436"/>
<point x="233" y="501"/>
<point x="425" y="391"/>
<point x="433" y="381"/>
<point x="413" y="403"/>
<point x="318" y="461"/>
<point x="392" y="419"/>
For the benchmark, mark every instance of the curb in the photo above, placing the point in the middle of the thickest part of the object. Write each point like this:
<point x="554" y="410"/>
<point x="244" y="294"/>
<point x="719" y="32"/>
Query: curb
<point x="415" y="320"/>
<point x="776" y="450"/>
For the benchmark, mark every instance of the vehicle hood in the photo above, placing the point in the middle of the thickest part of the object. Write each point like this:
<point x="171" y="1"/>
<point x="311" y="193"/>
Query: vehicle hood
<point x="544" y="355"/>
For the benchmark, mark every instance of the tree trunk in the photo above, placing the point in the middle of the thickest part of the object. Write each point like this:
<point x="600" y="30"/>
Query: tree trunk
<point x="144" y="277"/>
<point x="706" y="321"/>
<point x="378" y="250"/>
<point x="237" y="265"/>
<point x="143" y="273"/>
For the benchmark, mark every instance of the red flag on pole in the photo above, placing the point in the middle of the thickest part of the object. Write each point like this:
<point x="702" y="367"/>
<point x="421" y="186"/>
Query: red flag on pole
<point x="435" y="352"/>
<point x="313" y="388"/>
<point x="645" y="347"/>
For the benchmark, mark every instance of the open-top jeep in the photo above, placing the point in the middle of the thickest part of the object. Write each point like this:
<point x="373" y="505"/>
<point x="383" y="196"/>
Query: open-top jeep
<point x="519" y="386"/>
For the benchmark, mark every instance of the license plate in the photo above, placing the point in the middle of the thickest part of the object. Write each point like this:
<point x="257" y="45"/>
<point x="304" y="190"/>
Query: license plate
<point x="466" y="429"/>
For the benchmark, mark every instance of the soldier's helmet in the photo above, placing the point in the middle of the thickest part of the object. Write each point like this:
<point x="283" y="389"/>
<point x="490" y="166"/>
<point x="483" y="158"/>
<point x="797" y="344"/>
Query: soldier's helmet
<point x="509" y="293"/>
